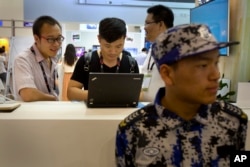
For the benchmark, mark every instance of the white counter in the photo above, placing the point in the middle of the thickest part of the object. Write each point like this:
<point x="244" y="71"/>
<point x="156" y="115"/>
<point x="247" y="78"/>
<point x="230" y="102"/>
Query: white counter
<point x="61" y="134"/>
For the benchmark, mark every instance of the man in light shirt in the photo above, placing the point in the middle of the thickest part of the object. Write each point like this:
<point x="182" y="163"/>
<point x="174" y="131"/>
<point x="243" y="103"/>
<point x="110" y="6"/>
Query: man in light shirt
<point x="158" y="20"/>
<point x="34" y="70"/>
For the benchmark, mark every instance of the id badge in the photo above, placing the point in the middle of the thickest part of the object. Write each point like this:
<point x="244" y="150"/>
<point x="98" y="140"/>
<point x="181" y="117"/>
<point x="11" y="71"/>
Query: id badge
<point x="146" y="81"/>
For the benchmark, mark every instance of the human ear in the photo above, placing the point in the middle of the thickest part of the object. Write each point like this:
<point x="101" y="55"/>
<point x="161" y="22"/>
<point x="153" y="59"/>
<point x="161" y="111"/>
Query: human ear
<point x="99" y="38"/>
<point x="36" y="38"/>
<point x="162" y="25"/>
<point x="166" y="73"/>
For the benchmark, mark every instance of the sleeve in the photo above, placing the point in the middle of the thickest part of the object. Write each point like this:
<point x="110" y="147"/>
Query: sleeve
<point x="127" y="138"/>
<point x="238" y="113"/>
<point x="22" y="74"/>
<point x="136" y="67"/>
<point x="242" y="132"/>
<point x="145" y="64"/>
<point x="79" y="73"/>
<point x="2" y="58"/>
<point x="124" y="157"/>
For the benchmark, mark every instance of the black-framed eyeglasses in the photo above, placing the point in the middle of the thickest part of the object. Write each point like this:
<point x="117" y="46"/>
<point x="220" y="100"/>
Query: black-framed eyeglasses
<point x="150" y="22"/>
<point x="59" y="39"/>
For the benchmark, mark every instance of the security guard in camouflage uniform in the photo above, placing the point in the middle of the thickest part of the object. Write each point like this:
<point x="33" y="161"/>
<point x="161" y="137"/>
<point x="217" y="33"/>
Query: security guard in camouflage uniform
<point x="186" y="125"/>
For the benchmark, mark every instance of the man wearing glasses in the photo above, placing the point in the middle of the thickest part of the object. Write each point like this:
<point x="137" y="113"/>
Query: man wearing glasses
<point x="159" y="18"/>
<point x="34" y="70"/>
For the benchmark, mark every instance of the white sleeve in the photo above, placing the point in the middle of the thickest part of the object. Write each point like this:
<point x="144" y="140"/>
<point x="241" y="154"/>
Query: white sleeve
<point x="2" y="58"/>
<point x="145" y="65"/>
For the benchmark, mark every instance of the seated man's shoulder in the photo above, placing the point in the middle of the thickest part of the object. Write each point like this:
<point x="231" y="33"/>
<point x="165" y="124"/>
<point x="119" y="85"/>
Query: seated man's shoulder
<point x="231" y="110"/>
<point x="25" y="55"/>
<point x="137" y="116"/>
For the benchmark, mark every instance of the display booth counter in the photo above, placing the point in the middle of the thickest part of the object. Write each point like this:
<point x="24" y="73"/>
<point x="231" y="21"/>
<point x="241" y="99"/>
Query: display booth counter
<point x="61" y="134"/>
<point x="65" y="110"/>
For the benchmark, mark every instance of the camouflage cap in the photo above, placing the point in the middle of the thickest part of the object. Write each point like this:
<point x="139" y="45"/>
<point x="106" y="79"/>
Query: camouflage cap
<point x="184" y="41"/>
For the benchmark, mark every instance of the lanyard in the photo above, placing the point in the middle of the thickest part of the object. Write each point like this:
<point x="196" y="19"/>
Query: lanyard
<point x="150" y="66"/>
<point x="117" y="65"/>
<point x="44" y="74"/>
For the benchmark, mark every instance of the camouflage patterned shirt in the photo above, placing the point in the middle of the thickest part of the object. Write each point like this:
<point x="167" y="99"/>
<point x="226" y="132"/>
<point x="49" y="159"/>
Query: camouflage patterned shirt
<point x="156" y="137"/>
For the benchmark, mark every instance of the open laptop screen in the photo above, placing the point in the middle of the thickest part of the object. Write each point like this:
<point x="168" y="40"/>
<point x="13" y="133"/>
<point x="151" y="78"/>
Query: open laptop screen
<point x="114" y="89"/>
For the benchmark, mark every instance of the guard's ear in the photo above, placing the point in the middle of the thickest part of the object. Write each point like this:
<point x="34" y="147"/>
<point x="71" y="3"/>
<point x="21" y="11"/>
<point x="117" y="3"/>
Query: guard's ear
<point x="167" y="73"/>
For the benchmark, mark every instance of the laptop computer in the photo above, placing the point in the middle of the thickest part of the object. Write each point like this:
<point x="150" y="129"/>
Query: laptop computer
<point x="114" y="89"/>
<point x="8" y="105"/>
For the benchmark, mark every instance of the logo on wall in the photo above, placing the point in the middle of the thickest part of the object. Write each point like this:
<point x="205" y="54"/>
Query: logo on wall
<point x="76" y="37"/>
<point x="27" y="24"/>
<point x="91" y="26"/>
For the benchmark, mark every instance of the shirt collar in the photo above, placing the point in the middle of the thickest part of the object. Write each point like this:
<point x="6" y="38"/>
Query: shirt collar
<point x="39" y="57"/>
<point x="172" y="120"/>
<point x="99" y="54"/>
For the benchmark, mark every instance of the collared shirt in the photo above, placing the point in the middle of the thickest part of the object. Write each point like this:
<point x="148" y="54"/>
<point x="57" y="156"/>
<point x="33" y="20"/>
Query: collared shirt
<point x="27" y="72"/>
<point x="156" y="137"/>
<point x="156" y="82"/>
<point x="140" y="58"/>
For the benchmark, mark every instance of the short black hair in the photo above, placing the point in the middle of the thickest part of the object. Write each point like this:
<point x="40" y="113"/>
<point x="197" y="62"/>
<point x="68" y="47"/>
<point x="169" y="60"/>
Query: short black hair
<point x="2" y="50"/>
<point x="162" y="13"/>
<point x="40" y="21"/>
<point x="112" y="29"/>
<point x="144" y="49"/>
